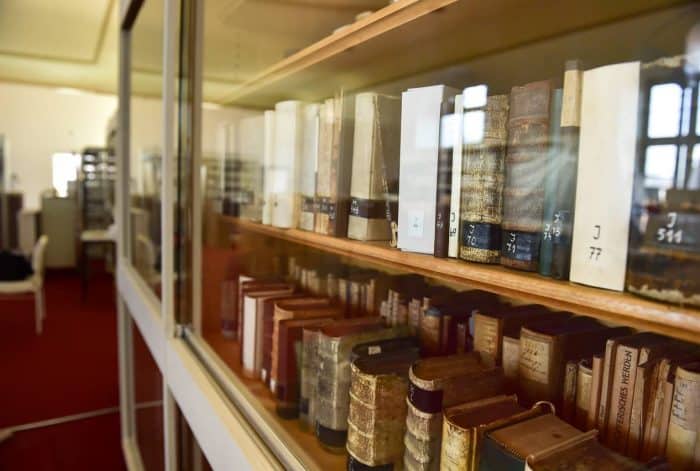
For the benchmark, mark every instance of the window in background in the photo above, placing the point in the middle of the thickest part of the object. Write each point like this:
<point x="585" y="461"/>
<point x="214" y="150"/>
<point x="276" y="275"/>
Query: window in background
<point x="64" y="169"/>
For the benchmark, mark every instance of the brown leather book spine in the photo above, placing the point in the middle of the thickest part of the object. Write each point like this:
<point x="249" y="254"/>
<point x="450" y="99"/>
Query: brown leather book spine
<point x="568" y="411"/>
<point x="444" y="180"/>
<point x="528" y="137"/>
<point x="483" y="177"/>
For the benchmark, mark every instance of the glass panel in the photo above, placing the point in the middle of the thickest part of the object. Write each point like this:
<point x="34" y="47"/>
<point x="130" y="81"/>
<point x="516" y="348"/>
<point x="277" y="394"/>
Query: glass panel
<point x="332" y="190"/>
<point x="190" y="455"/>
<point x="146" y="122"/>
<point x="665" y="110"/>
<point x="148" y="404"/>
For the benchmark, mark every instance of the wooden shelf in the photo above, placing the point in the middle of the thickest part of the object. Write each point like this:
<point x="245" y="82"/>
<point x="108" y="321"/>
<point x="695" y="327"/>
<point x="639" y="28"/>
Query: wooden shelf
<point x="620" y="308"/>
<point x="410" y="37"/>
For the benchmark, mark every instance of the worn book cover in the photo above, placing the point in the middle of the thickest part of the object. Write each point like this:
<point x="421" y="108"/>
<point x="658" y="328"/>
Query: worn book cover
<point x="508" y="447"/>
<point x="568" y="408"/>
<point x="323" y="167"/>
<point x="482" y="180"/>
<point x="584" y="382"/>
<point x="582" y="453"/>
<point x="683" y="442"/>
<point x="546" y="347"/>
<point x="375" y="165"/>
<point x="463" y="426"/>
<point x="526" y="157"/>
<point x="440" y="382"/>
<point x="334" y="351"/>
<point x="377" y="415"/>
<point x="268" y="165"/>
<point x="284" y="182"/>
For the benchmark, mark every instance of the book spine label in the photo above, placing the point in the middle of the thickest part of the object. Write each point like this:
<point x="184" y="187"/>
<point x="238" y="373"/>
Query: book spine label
<point x="425" y="401"/>
<point x="368" y="209"/>
<point x="520" y="249"/>
<point x="487" y="339"/>
<point x="621" y="396"/>
<point x="607" y="148"/>
<point x="481" y="235"/>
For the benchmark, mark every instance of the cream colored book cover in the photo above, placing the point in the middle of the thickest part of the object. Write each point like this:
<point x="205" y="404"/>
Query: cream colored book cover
<point x="286" y="166"/>
<point x="607" y="148"/>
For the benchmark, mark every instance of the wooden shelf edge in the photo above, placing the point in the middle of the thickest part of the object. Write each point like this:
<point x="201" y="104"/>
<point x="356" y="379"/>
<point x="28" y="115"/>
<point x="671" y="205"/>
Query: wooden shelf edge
<point x="390" y="17"/>
<point x="621" y="308"/>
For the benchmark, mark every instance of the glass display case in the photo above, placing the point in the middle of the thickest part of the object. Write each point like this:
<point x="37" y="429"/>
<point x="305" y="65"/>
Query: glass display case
<point x="377" y="217"/>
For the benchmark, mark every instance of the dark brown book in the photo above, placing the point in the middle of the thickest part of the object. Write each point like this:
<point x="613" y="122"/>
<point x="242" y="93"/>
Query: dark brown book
<point x="444" y="178"/>
<point x="438" y="328"/>
<point x="526" y="155"/>
<point x="483" y="177"/>
<point x="436" y="383"/>
<point x="546" y="347"/>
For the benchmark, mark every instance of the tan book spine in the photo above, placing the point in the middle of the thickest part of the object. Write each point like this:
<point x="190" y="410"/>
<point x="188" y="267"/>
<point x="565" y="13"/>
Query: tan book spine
<point x="569" y="397"/>
<point x="596" y="384"/>
<point x="606" y="385"/>
<point x="621" y="396"/>
<point x="537" y="353"/>
<point x="665" y="418"/>
<point x="488" y="336"/>
<point x="511" y="358"/>
<point x="651" y="428"/>
<point x="456" y="447"/>
<point x="682" y="445"/>
<point x="639" y="401"/>
<point x="584" y="381"/>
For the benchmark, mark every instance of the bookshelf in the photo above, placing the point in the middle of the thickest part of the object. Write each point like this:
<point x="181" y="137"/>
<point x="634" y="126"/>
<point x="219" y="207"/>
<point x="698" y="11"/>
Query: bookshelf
<point x="619" y="308"/>
<point x="414" y="36"/>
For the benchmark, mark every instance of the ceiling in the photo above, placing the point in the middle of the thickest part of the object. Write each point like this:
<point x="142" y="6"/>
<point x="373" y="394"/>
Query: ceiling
<point x="73" y="43"/>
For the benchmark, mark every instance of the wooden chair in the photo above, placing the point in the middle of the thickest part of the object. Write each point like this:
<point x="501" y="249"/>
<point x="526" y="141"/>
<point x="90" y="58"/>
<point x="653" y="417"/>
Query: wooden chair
<point x="33" y="285"/>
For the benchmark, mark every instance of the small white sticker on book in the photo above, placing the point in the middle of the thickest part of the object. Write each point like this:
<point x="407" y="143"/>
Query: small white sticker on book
<point x="415" y="223"/>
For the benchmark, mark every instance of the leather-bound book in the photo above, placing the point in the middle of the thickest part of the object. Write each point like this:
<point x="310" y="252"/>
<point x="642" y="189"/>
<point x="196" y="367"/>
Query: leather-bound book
<point x="323" y="170"/>
<point x="288" y="138"/>
<point x="489" y="326"/>
<point x="584" y="381"/>
<point x="562" y="223"/>
<point x="546" y="347"/>
<point x="682" y="445"/>
<point x="334" y="202"/>
<point x="462" y="429"/>
<point x="640" y="403"/>
<point x="268" y="314"/>
<point x="551" y="182"/>
<point x="582" y="453"/>
<point x="438" y="327"/>
<point x="392" y="345"/>
<point x="444" y="178"/>
<point x="483" y="177"/>
<point x="506" y="448"/>
<point x="608" y="140"/>
<point x="302" y="308"/>
<point x="568" y="408"/>
<point x="377" y="415"/>
<point x="420" y="141"/>
<point x="247" y="284"/>
<point x="436" y="383"/>
<point x="526" y="155"/>
<point x="307" y="171"/>
<point x="375" y="161"/>
<point x="334" y="350"/>
<point x="310" y="364"/>
<point x="289" y="360"/>
<point x="253" y="325"/>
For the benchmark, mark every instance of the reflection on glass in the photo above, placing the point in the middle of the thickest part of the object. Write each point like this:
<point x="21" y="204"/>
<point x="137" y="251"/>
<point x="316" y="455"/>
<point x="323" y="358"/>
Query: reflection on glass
<point x="148" y="404"/>
<point x="146" y="147"/>
<point x="665" y="110"/>
<point x="659" y="166"/>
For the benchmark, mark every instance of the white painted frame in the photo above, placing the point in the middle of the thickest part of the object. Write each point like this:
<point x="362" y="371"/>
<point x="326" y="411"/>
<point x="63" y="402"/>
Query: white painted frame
<point x="224" y="435"/>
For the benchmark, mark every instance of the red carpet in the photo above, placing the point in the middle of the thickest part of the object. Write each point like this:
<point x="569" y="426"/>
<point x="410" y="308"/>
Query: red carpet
<point x="69" y="369"/>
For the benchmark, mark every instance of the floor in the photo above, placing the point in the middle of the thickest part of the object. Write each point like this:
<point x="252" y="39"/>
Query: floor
<point x="71" y="368"/>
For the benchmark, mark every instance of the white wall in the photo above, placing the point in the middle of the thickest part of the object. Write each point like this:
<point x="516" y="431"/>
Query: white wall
<point x="39" y="121"/>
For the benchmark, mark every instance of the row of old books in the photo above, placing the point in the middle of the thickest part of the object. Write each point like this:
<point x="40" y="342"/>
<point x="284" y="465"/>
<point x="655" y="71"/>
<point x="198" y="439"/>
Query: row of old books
<point x="541" y="179"/>
<point x="429" y="391"/>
